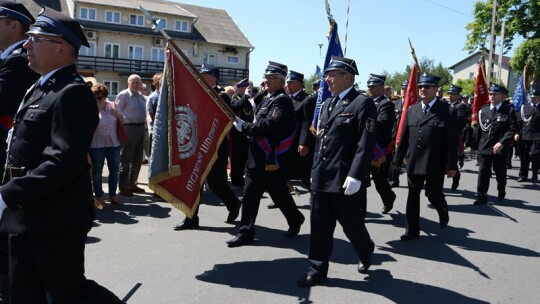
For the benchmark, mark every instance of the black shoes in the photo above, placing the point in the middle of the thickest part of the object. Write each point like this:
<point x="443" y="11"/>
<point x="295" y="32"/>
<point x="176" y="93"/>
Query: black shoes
<point x="521" y="179"/>
<point x="364" y="265"/>
<point x="444" y="219"/>
<point x="311" y="279"/>
<point x="409" y="236"/>
<point x="272" y="205"/>
<point x="534" y="179"/>
<point x="502" y="195"/>
<point x="240" y="240"/>
<point x="233" y="214"/>
<point x="388" y="206"/>
<point x="187" y="224"/>
<point x="455" y="185"/>
<point x="293" y="231"/>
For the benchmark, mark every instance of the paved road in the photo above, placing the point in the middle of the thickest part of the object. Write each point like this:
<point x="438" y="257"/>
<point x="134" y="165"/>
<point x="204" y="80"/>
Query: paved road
<point x="488" y="254"/>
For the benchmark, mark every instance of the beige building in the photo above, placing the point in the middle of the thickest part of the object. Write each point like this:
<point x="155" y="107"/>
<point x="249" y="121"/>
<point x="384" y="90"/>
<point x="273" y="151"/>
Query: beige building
<point x="122" y="41"/>
<point x="468" y="68"/>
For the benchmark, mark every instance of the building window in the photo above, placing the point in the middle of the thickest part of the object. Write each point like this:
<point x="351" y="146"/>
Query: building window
<point x="471" y="75"/>
<point x="209" y="59"/>
<point x="112" y="50"/>
<point x="233" y="59"/>
<point x="181" y="26"/>
<point x="137" y="20"/>
<point x="88" y="51"/>
<point x="88" y="13"/>
<point x="112" y="17"/>
<point x="136" y="52"/>
<point x="158" y="54"/>
<point x="163" y="23"/>
<point x="112" y="86"/>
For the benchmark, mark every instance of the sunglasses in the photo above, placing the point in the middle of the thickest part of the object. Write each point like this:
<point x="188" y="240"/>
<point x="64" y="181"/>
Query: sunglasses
<point x="35" y="39"/>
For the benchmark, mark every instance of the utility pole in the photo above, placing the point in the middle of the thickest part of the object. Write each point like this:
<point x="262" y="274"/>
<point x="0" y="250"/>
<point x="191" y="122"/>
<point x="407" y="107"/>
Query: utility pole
<point x="499" y="69"/>
<point x="492" y="44"/>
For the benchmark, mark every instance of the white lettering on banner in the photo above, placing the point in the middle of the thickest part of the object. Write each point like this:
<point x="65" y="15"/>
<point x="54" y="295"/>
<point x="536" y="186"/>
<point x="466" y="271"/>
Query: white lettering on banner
<point x="204" y="149"/>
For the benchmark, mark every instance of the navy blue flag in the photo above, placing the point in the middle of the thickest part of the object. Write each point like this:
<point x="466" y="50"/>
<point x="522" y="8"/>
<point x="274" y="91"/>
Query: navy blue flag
<point x="318" y="71"/>
<point x="334" y="49"/>
<point x="520" y="95"/>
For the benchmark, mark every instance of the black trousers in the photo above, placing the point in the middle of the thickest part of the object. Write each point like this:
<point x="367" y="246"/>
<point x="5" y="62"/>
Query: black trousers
<point x="275" y="182"/>
<point x="529" y="153"/>
<point x="301" y="168"/>
<point x="217" y="182"/>
<point x="485" y="164"/>
<point x="350" y="212"/>
<point x="52" y="264"/>
<point x="239" y="157"/>
<point x="4" y="269"/>
<point x="380" y="179"/>
<point x="433" y="191"/>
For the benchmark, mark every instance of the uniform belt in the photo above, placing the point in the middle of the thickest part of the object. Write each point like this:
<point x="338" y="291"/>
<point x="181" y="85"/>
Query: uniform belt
<point x="16" y="171"/>
<point x="134" y="124"/>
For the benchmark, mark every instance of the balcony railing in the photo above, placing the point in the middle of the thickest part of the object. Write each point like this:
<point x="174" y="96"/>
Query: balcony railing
<point x="146" y="68"/>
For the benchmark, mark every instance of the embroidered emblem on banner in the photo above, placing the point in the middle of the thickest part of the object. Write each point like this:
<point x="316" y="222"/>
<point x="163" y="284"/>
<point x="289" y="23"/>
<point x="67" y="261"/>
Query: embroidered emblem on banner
<point x="186" y="130"/>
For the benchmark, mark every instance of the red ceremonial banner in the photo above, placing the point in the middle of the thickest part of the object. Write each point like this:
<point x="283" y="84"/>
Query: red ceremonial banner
<point x="481" y="95"/>
<point x="191" y="122"/>
<point x="411" y="97"/>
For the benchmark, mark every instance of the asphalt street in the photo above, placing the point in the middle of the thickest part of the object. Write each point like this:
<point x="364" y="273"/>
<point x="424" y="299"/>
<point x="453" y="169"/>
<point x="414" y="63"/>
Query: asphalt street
<point x="487" y="254"/>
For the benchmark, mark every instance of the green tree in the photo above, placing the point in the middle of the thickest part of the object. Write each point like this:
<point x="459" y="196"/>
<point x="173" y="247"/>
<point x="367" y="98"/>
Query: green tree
<point x="522" y="20"/>
<point x="426" y="66"/>
<point x="467" y="85"/>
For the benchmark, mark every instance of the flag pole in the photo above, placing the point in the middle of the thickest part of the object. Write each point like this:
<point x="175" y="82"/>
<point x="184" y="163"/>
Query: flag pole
<point x="156" y="26"/>
<point x="413" y="53"/>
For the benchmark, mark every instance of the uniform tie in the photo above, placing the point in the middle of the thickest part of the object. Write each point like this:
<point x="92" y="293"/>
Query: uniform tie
<point x="494" y="111"/>
<point x="426" y="109"/>
<point x="333" y="103"/>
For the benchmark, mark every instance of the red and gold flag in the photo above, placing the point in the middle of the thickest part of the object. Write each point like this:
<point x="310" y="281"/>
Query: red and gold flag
<point x="411" y="97"/>
<point x="481" y="95"/>
<point x="190" y="124"/>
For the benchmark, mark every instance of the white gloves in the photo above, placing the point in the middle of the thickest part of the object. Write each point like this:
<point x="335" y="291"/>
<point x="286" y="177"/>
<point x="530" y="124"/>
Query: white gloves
<point x="238" y="123"/>
<point x="351" y="185"/>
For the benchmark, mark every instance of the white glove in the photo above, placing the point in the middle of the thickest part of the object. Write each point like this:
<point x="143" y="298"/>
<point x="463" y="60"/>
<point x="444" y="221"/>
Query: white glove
<point x="238" y="123"/>
<point x="351" y="185"/>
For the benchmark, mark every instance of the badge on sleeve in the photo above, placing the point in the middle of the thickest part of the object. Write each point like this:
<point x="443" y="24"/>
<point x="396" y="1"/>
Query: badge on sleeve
<point x="370" y="125"/>
<point x="276" y="113"/>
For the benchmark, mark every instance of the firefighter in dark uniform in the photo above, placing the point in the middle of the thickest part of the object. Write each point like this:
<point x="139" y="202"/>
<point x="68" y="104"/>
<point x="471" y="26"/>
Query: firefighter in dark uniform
<point x="46" y="204"/>
<point x="453" y="96"/>
<point x="304" y="141"/>
<point x="243" y="108"/>
<point x="217" y="177"/>
<point x="15" y="78"/>
<point x="270" y="150"/>
<point x="430" y="142"/>
<point x="393" y="178"/>
<point x="529" y="137"/>
<point x="497" y="125"/>
<point x="380" y="165"/>
<point x="343" y="153"/>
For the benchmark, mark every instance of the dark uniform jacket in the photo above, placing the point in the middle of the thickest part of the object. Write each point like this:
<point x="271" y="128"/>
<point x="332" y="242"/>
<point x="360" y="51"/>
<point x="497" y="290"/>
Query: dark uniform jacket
<point x="461" y="111"/>
<point x="52" y="134"/>
<point x="398" y="108"/>
<point x="529" y="122"/>
<point x="345" y="141"/>
<point x="272" y="133"/>
<point x="15" y="78"/>
<point x="498" y="127"/>
<point x="386" y="118"/>
<point x="430" y="140"/>
<point x="304" y="106"/>
<point x="242" y="107"/>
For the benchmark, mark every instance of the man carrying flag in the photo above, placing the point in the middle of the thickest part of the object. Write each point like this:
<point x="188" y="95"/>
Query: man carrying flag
<point x="271" y="135"/>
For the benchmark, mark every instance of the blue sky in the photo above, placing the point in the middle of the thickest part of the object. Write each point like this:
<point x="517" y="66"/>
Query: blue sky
<point x="289" y="31"/>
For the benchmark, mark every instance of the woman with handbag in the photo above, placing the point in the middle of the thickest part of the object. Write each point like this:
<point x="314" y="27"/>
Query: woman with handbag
<point x="105" y="145"/>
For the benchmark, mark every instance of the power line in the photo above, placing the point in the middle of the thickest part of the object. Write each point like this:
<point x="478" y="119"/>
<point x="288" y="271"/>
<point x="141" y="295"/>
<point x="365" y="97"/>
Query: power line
<point x="448" y="8"/>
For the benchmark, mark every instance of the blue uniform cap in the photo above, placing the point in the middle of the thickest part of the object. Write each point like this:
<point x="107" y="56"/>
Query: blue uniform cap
<point x="495" y="88"/>
<point x="16" y="11"/>
<point x="430" y="80"/>
<point x="454" y="89"/>
<point x="375" y="79"/>
<point x="295" y="76"/>
<point x="276" y="68"/>
<point x="404" y="84"/>
<point x="342" y="63"/>
<point x="54" y="23"/>
<point x="244" y="83"/>
<point x="208" y="69"/>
